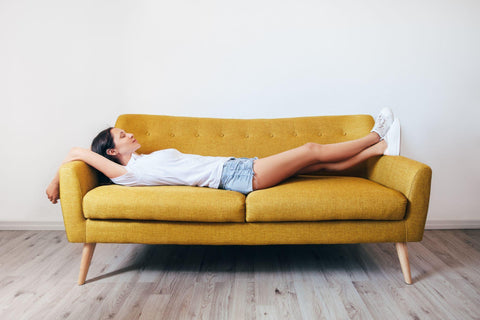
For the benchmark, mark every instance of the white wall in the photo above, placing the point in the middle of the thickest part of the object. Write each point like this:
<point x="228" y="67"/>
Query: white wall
<point x="69" y="68"/>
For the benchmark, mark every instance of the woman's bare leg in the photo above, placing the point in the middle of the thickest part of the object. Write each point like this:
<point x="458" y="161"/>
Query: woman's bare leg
<point x="272" y="170"/>
<point x="375" y="150"/>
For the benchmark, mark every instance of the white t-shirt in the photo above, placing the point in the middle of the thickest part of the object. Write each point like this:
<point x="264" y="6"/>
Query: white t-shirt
<point x="171" y="167"/>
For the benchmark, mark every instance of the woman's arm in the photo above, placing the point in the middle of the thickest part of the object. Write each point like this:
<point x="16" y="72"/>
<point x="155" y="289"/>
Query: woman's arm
<point x="107" y="167"/>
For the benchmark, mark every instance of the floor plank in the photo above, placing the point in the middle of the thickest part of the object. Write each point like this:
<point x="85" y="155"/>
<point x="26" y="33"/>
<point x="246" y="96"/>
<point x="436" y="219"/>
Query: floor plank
<point x="38" y="272"/>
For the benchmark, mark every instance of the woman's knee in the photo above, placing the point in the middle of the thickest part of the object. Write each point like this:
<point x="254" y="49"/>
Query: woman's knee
<point x="315" y="149"/>
<point x="312" y="146"/>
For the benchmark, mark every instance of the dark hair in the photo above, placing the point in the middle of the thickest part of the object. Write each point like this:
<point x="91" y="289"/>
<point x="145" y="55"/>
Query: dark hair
<point x="104" y="141"/>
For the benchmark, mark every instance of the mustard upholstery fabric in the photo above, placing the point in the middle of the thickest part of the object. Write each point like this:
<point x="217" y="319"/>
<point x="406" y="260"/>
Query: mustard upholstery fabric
<point x="164" y="203"/>
<point x="325" y="198"/>
<point x="248" y="138"/>
<point x="154" y="232"/>
<point x="76" y="179"/>
<point x="411" y="178"/>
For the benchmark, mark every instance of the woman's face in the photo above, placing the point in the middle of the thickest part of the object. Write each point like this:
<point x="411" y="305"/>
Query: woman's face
<point x="125" y="143"/>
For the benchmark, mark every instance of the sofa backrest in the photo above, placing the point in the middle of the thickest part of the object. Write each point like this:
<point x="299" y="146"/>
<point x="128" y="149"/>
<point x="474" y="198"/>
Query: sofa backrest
<point x="240" y="137"/>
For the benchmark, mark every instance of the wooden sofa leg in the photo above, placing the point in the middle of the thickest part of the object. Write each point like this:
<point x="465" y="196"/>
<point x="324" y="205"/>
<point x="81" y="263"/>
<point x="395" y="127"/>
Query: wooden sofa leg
<point x="403" y="257"/>
<point x="87" y="254"/>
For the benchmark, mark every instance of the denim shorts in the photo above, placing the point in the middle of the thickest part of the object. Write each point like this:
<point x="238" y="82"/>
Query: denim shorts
<point x="237" y="175"/>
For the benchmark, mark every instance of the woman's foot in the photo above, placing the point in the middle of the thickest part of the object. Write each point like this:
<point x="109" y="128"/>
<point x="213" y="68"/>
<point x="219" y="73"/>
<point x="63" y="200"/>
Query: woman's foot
<point x="383" y="122"/>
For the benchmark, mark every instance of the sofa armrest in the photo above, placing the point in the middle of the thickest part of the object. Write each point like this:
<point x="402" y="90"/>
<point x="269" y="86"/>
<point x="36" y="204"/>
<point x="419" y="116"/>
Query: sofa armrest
<point x="412" y="179"/>
<point x="76" y="179"/>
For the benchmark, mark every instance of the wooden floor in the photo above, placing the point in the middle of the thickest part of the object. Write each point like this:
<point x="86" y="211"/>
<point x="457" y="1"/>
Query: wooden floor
<point x="39" y="269"/>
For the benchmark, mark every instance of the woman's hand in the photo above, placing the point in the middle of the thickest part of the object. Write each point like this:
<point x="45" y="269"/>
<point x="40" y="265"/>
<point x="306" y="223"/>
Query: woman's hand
<point x="53" y="191"/>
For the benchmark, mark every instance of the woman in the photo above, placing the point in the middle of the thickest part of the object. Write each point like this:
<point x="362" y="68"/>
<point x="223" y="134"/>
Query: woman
<point x="113" y="154"/>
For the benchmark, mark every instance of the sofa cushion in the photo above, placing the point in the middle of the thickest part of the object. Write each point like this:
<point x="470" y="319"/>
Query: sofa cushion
<point x="309" y="198"/>
<point x="164" y="203"/>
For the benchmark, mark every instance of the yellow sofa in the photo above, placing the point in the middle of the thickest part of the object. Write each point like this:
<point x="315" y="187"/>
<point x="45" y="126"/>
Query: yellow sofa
<point x="385" y="199"/>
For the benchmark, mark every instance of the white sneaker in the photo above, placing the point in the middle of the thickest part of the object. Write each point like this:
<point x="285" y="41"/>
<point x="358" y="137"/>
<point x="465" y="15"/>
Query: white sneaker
<point x="383" y="122"/>
<point x="393" y="139"/>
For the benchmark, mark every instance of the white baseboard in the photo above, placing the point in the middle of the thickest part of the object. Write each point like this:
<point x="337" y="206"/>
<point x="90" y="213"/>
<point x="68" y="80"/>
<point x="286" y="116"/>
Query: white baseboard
<point x="452" y="224"/>
<point x="58" y="225"/>
<point x="32" y="225"/>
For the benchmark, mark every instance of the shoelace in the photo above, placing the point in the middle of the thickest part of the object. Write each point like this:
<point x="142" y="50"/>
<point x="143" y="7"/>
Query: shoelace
<point x="381" y="122"/>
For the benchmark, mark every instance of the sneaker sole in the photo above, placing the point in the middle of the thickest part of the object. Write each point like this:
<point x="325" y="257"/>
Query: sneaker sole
<point x="393" y="139"/>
